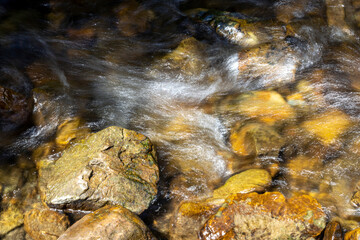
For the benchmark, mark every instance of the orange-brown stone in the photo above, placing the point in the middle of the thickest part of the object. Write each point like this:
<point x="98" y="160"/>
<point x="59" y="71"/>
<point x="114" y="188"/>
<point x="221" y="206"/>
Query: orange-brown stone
<point x="353" y="235"/>
<point x="269" y="215"/>
<point x="45" y="224"/>
<point x="333" y="231"/>
<point x="109" y="223"/>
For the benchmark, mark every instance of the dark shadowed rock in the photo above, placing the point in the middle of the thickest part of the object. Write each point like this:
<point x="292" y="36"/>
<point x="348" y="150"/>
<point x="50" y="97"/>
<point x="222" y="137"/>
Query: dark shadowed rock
<point x="15" y="109"/>
<point x="115" y="166"/>
<point x="109" y="223"/>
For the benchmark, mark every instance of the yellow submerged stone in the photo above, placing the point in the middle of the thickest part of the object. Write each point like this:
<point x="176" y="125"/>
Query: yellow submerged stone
<point x="248" y="181"/>
<point x="328" y="127"/>
<point x="267" y="106"/>
<point x="353" y="235"/>
<point x="69" y="130"/>
<point x="304" y="172"/>
<point x="255" y="139"/>
<point x="10" y="219"/>
<point x="187" y="57"/>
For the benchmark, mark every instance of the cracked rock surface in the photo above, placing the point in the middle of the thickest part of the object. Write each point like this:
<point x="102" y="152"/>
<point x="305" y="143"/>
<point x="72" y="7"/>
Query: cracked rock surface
<point x="114" y="166"/>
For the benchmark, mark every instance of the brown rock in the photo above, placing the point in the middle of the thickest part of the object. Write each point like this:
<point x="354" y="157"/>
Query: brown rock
<point x="243" y="32"/>
<point x="187" y="58"/>
<point x="16" y="234"/>
<point x="86" y="33"/>
<point x="294" y="9"/>
<point x="189" y="185"/>
<point x="304" y="172"/>
<point x="41" y="74"/>
<point x="133" y="18"/>
<point x="333" y="231"/>
<point x="44" y="108"/>
<point x="329" y="126"/>
<point x="235" y="163"/>
<point x="15" y="109"/>
<point x="347" y="225"/>
<point x="43" y="151"/>
<point x="255" y="139"/>
<point x="191" y="216"/>
<point x="272" y="64"/>
<point x="311" y="89"/>
<point x="109" y="223"/>
<point x="10" y="219"/>
<point x="70" y="130"/>
<point x="265" y="216"/>
<point x="355" y="199"/>
<point x="335" y="12"/>
<point x="353" y="235"/>
<point x="356" y="3"/>
<point x="45" y="224"/>
<point x="357" y="18"/>
<point x="266" y="106"/>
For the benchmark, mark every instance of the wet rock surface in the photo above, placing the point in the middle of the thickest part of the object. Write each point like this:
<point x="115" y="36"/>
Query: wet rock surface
<point x="333" y="231"/>
<point x="191" y="216"/>
<point x="238" y="28"/>
<point x="265" y="216"/>
<point x="109" y="223"/>
<point x="188" y="58"/>
<point x="237" y="96"/>
<point x="248" y="181"/>
<point x="266" y="106"/>
<point x="352" y="235"/>
<point x="114" y="166"/>
<point x="257" y="66"/>
<point x="45" y="224"/>
<point x="255" y="140"/>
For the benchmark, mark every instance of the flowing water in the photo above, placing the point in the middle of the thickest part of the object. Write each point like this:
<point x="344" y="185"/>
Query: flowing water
<point x="108" y="72"/>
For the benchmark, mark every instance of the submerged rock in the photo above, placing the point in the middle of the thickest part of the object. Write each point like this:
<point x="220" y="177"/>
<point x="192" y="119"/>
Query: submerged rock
<point x="266" y="106"/>
<point x="109" y="223"/>
<point x="15" y="109"/>
<point x="265" y="216"/>
<point x="304" y="172"/>
<point x="248" y="181"/>
<point x="353" y="235"/>
<point x="42" y="74"/>
<point x="115" y="166"/>
<point x="70" y="130"/>
<point x="355" y="199"/>
<point x="190" y="184"/>
<point x="328" y="127"/>
<point x="45" y="224"/>
<point x="133" y="18"/>
<point x="333" y="231"/>
<point x="17" y="193"/>
<point x="16" y="234"/>
<point x="268" y="65"/>
<point x="191" y="216"/>
<point x="287" y="11"/>
<point x="255" y="139"/>
<point x="10" y="219"/>
<point x="238" y="28"/>
<point x="335" y="13"/>
<point x="188" y="58"/>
